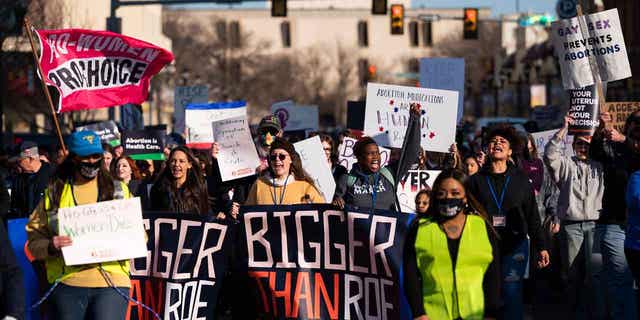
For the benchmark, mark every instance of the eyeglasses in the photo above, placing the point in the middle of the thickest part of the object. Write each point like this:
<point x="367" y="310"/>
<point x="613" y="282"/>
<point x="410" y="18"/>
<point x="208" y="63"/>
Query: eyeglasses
<point x="272" y="131"/>
<point x="280" y="156"/>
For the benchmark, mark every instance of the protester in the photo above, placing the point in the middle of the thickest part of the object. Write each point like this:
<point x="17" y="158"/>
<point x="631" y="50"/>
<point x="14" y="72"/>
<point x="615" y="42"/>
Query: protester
<point x="125" y="170"/>
<point x="471" y="165"/>
<point x="117" y="151"/>
<point x="85" y="291"/>
<point x="422" y="201"/>
<point x="368" y="184"/>
<point x="508" y="197"/>
<point x="451" y="257"/>
<point x="107" y="156"/>
<point x="632" y="239"/>
<point x="268" y="130"/>
<point x="30" y="184"/>
<point x="284" y="182"/>
<point x="439" y="160"/>
<point x="620" y="157"/>
<point x="180" y="187"/>
<point x="332" y="158"/>
<point x="12" y="304"/>
<point x="581" y="183"/>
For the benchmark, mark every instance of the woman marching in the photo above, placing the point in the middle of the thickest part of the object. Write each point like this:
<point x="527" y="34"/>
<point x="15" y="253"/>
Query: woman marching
<point x="285" y="182"/>
<point x="92" y="291"/>
<point x="451" y="257"/>
<point x="180" y="187"/>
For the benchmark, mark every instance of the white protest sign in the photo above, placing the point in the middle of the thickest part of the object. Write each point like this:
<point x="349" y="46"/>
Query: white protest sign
<point x="314" y="163"/>
<point x="293" y="117"/>
<point x="599" y="41"/>
<point x="387" y="115"/>
<point x="238" y="157"/>
<point x="347" y="158"/>
<point x="103" y="231"/>
<point x="411" y="184"/>
<point x="200" y="116"/>
<point x="542" y="138"/>
<point x="184" y="96"/>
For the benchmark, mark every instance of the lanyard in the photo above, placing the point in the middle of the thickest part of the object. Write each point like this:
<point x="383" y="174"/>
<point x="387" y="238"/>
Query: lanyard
<point x="493" y="193"/>
<point x="374" y="192"/>
<point x="284" y="187"/>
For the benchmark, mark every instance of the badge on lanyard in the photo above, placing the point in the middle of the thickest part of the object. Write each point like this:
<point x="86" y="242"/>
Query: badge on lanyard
<point x="499" y="219"/>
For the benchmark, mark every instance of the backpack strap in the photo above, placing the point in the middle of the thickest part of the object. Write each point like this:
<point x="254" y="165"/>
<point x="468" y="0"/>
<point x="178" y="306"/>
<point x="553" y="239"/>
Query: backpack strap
<point x="384" y="171"/>
<point x="351" y="180"/>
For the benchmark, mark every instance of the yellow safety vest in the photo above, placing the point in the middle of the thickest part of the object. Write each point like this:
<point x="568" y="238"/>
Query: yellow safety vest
<point x="56" y="269"/>
<point x="447" y="294"/>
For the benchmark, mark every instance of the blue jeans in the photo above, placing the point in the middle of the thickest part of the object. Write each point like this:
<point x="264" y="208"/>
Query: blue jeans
<point x="78" y="303"/>
<point x="513" y="269"/>
<point x="621" y="303"/>
<point x="582" y="264"/>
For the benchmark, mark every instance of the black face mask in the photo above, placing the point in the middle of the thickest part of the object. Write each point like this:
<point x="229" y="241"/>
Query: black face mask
<point x="449" y="207"/>
<point x="89" y="170"/>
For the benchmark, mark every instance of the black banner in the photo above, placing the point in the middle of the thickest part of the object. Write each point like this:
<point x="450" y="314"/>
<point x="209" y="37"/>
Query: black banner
<point x="144" y="144"/>
<point x="316" y="262"/>
<point x="583" y="108"/>
<point x="182" y="274"/>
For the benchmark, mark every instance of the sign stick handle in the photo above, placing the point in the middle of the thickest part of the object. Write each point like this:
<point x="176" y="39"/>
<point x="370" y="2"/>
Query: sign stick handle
<point x="27" y="27"/>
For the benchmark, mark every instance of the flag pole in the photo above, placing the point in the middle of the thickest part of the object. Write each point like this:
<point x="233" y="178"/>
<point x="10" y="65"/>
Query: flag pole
<point x="27" y="27"/>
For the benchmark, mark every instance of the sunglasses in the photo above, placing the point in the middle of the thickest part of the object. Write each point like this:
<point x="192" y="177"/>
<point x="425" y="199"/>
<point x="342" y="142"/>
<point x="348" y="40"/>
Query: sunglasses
<point x="272" y="131"/>
<point x="280" y="156"/>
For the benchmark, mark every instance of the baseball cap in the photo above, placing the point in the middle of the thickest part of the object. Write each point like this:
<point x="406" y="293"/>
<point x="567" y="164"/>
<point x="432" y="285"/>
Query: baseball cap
<point x="84" y="143"/>
<point x="270" y="121"/>
<point x="27" y="149"/>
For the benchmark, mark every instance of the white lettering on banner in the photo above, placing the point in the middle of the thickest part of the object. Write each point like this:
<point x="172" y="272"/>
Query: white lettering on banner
<point x="596" y="47"/>
<point x="97" y="73"/>
<point x="104" y="231"/>
<point x="167" y="255"/>
<point x="409" y="186"/>
<point x="387" y="115"/>
<point x="185" y="300"/>
<point x="355" y="294"/>
<point x="182" y="250"/>
<point x="257" y="238"/>
<point x="60" y="45"/>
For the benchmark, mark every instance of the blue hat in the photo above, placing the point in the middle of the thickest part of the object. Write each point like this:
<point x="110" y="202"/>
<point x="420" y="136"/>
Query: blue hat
<point x="85" y="143"/>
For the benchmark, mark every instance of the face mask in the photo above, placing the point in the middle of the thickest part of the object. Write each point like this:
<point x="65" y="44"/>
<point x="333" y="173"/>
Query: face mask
<point x="449" y="207"/>
<point x="89" y="170"/>
<point x="267" y="139"/>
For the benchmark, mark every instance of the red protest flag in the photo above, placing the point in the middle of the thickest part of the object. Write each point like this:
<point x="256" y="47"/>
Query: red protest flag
<point x="97" y="69"/>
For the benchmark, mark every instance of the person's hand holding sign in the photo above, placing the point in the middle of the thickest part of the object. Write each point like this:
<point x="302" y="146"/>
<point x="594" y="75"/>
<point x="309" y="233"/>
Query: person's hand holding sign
<point x="415" y="109"/>
<point x="608" y="131"/>
<point x="59" y="242"/>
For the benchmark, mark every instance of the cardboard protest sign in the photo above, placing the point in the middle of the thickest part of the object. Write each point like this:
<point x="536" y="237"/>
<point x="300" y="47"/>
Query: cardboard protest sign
<point x="238" y="157"/>
<point x="198" y="118"/>
<point x="620" y="111"/>
<point x="181" y="273"/>
<point x="106" y="130"/>
<point x="293" y="117"/>
<point x="409" y="186"/>
<point x="387" y="115"/>
<point x="184" y="96"/>
<point x="593" y="39"/>
<point x="332" y="264"/>
<point x="542" y="138"/>
<point x="144" y="144"/>
<point x="314" y="163"/>
<point x="347" y="158"/>
<point x="446" y="74"/>
<point x="583" y="107"/>
<point x="103" y="231"/>
<point x="96" y="69"/>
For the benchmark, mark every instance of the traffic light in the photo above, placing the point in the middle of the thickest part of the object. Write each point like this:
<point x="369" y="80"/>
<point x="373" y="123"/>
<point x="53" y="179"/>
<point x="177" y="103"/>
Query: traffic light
<point x="397" y="19"/>
<point x="470" y="23"/>
<point x="278" y="8"/>
<point x="366" y="72"/>
<point x="379" y="7"/>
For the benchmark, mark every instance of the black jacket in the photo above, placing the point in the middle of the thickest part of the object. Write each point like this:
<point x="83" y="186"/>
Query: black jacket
<point x="360" y="194"/>
<point x="28" y="189"/>
<point x="12" y="294"/>
<point x="519" y="206"/>
<point x="619" y="163"/>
